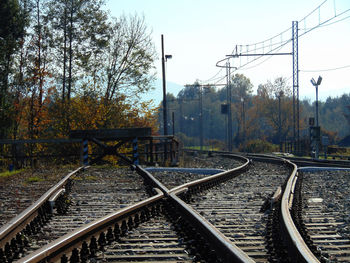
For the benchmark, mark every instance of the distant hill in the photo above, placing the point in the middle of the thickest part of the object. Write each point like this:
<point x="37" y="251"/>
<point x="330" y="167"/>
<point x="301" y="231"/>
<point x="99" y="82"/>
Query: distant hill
<point x="157" y="94"/>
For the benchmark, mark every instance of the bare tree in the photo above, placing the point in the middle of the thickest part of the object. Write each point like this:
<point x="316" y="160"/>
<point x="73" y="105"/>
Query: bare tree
<point x="130" y="57"/>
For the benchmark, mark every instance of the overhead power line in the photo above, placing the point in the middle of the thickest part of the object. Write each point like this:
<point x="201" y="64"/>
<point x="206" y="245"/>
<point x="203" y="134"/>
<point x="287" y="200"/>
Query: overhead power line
<point x="213" y="78"/>
<point x="323" y="70"/>
<point x="311" y="21"/>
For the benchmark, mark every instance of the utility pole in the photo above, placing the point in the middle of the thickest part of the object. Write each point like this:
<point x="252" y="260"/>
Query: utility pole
<point x="316" y="84"/>
<point x="279" y="119"/>
<point x="229" y="113"/>
<point x="296" y="139"/>
<point x="243" y="123"/>
<point x="165" y="121"/>
<point x="173" y="121"/>
<point x="165" y="117"/>
<point x="211" y="128"/>
<point x="201" y="117"/>
<point x="295" y="55"/>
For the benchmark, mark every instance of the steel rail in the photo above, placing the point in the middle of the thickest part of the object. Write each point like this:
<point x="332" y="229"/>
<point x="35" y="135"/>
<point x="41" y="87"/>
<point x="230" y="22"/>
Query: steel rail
<point x="68" y="242"/>
<point x="217" y="176"/>
<point x="17" y="224"/>
<point x="207" y="171"/>
<point x="228" y="251"/>
<point x="297" y="243"/>
<point x="223" y="246"/>
<point x="75" y="239"/>
<point x="149" y="178"/>
<point x="319" y="162"/>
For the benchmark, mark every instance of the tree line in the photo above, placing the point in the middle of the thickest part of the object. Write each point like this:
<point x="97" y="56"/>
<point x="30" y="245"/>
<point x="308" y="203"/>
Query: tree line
<point x="265" y="116"/>
<point x="68" y="64"/>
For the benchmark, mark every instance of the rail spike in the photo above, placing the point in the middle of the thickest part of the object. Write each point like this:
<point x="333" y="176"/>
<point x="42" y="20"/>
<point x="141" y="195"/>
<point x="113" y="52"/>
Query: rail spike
<point x="93" y="246"/>
<point x="109" y="236"/>
<point x="74" y="258"/>
<point x="64" y="259"/>
<point x="116" y="231"/>
<point x="102" y="241"/>
<point x="84" y="252"/>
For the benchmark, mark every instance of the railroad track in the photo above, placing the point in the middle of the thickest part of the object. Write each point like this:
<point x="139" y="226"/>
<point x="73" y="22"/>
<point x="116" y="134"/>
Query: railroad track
<point x="128" y="233"/>
<point x="92" y="195"/>
<point x="21" y="190"/>
<point x="83" y="198"/>
<point x="302" y="162"/>
<point x="156" y="239"/>
<point x="322" y="212"/>
<point x="242" y="209"/>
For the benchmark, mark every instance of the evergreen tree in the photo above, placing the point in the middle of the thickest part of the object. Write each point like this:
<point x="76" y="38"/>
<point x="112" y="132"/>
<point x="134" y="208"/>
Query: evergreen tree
<point x="12" y="23"/>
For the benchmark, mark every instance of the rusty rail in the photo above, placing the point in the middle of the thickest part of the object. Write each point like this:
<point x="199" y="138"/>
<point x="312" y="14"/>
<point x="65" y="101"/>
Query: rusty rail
<point x="17" y="224"/>
<point x="297" y="247"/>
<point x="67" y="243"/>
<point x="216" y="178"/>
<point x="221" y="245"/>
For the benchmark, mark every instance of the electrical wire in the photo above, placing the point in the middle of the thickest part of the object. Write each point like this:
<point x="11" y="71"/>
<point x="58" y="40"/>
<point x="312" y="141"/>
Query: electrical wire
<point x="281" y="44"/>
<point x="324" y="70"/>
<point x="213" y="78"/>
<point x="313" y="11"/>
<point x="323" y="23"/>
<point x="340" y="20"/>
<point x="224" y="77"/>
<point x="262" y="42"/>
<point x="269" y="57"/>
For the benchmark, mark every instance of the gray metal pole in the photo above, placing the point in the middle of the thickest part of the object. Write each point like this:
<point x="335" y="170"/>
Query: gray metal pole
<point x="244" y="139"/>
<point x="317" y="141"/>
<point x="279" y="121"/>
<point x="317" y="105"/>
<point x="173" y="121"/>
<point x="165" y="121"/>
<point x="229" y="122"/>
<point x="201" y="117"/>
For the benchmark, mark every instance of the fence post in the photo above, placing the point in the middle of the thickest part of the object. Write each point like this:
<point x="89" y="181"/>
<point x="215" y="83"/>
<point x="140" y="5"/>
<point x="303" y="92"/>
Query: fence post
<point x="135" y="151"/>
<point x="157" y="148"/>
<point x="171" y="151"/>
<point x="85" y="152"/>
<point x="151" y="151"/>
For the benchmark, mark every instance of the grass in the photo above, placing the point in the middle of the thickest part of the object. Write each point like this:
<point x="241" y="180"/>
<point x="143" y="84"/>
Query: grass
<point x="90" y="178"/>
<point x="34" y="179"/>
<point x="7" y="173"/>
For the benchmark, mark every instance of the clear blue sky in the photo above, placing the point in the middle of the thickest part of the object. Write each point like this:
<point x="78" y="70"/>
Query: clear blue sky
<point x="198" y="33"/>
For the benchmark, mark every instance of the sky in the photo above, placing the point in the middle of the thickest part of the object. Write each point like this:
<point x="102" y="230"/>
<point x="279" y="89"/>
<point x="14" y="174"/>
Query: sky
<point x="199" y="33"/>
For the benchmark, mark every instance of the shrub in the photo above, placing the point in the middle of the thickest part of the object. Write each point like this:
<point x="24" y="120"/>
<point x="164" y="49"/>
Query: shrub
<point x="259" y="146"/>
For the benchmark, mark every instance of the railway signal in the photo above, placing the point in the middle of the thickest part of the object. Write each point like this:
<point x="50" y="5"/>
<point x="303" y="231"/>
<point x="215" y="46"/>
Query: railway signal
<point x="316" y="84"/>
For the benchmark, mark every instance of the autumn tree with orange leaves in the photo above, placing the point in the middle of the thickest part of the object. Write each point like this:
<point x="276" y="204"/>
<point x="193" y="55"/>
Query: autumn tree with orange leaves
<point x="76" y="68"/>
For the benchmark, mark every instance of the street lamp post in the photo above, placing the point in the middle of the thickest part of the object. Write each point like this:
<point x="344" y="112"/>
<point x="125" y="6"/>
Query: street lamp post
<point x="200" y="118"/>
<point x="229" y="100"/>
<point x="279" y="95"/>
<point x="316" y="84"/>
<point x="165" y="117"/>
<point x="243" y="124"/>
